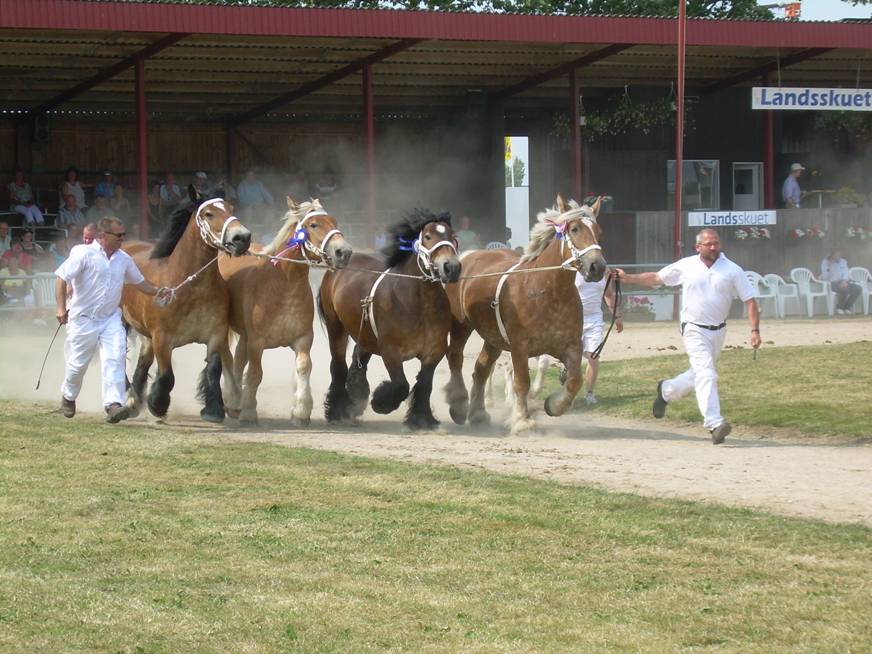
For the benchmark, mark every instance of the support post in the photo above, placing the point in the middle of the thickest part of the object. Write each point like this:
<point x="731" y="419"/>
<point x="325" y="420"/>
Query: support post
<point x="679" y="141"/>
<point x="768" y="157"/>
<point x="141" y="148"/>
<point x="575" y="136"/>
<point x="369" y="120"/>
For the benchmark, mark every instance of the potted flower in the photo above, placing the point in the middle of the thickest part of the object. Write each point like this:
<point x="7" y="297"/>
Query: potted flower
<point x="796" y="234"/>
<point x="742" y="233"/>
<point x="858" y="232"/>
<point x="847" y="198"/>
<point x="638" y="307"/>
<point x="815" y="230"/>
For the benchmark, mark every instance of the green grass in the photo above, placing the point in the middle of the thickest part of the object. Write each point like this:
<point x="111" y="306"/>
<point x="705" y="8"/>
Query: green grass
<point x="822" y="390"/>
<point x="139" y="539"/>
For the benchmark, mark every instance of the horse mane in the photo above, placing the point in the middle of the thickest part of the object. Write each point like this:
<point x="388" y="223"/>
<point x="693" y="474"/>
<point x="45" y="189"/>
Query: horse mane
<point x="405" y="232"/>
<point x="176" y="228"/>
<point x="543" y="231"/>
<point x="286" y="231"/>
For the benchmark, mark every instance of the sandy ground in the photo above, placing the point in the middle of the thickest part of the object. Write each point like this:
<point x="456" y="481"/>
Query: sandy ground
<point x="832" y="483"/>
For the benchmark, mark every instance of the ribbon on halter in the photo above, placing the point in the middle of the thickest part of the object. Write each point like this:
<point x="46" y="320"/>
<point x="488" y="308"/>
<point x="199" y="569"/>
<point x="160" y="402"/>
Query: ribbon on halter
<point x="297" y="240"/>
<point x="407" y="244"/>
<point x="559" y="228"/>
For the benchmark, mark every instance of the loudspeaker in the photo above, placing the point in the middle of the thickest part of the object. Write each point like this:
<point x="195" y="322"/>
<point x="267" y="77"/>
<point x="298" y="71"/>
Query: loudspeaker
<point x="41" y="131"/>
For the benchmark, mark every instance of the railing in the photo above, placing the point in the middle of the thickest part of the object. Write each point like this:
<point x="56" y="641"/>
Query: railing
<point x="42" y="293"/>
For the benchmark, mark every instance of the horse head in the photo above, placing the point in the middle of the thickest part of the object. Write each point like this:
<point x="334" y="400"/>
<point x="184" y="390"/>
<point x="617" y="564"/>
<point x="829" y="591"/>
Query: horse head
<point x="218" y="226"/>
<point x="437" y="250"/>
<point x="579" y="230"/>
<point x="316" y="232"/>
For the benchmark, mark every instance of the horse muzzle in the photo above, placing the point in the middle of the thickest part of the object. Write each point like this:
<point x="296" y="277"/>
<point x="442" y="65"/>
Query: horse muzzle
<point x="593" y="268"/>
<point x="237" y="240"/>
<point x="340" y="253"/>
<point x="449" y="270"/>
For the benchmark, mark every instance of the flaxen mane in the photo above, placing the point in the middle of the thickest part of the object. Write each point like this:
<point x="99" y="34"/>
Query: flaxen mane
<point x="543" y="231"/>
<point x="292" y="217"/>
<point x="403" y="234"/>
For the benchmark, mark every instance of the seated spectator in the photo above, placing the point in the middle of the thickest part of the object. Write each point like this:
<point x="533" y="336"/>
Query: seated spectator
<point x="834" y="269"/>
<point x="105" y="188"/>
<point x="5" y="238"/>
<point x="119" y="204"/>
<point x="41" y="258"/>
<point x="60" y="249"/>
<point x="466" y="238"/>
<point x="16" y="291"/>
<point x="89" y="233"/>
<point x="22" y="200"/>
<point x="200" y="182"/>
<point x="254" y="199"/>
<point x="70" y="213"/>
<point x="170" y="194"/>
<point x="155" y="208"/>
<point x="24" y="260"/>
<point x="72" y="186"/>
<point x="100" y="209"/>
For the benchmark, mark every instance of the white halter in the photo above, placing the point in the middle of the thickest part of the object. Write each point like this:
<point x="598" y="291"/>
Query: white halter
<point x="206" y="232"/>
<point x="318" y="251"/>
<point x="425" y="265"/>
<point x="574" y="251"/>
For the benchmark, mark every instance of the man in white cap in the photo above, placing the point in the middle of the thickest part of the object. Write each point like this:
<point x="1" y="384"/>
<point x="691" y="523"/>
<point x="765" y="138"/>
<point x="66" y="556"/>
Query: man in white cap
<point x="790" y="191"/>
<point x="200" y="181"/>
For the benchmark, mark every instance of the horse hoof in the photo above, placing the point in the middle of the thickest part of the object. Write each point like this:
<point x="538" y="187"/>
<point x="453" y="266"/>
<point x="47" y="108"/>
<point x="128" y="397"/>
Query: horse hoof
<point x="458" y="414"/>
<point x="132" y="410"/>
<point x="524" y="425"/>
<point x="248" y="422"/>
<point x="212" y="417"/>
<point x="479" y="418"/>
<point x="300" y="421"/>
<point x="233" y="413"/>
<point x="421" y="422"/>
<point x="550" y="408"/>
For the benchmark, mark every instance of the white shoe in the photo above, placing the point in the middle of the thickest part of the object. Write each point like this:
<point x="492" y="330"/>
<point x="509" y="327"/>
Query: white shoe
<point x="841" y="312"/>
<point x="590" y="398"/>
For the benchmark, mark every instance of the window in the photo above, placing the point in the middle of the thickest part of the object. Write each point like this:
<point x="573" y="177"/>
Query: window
<point x="701" y="182"/>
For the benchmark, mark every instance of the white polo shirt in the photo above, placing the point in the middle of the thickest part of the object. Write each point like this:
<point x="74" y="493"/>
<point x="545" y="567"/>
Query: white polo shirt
<point x="591" y="294"/>
<point x="707" y="293"/>
<point x="834" y="271"/>
<point x="97" y="280"/>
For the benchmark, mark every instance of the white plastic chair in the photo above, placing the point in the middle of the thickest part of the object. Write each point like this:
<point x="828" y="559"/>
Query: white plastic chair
<point x="44" y="290"/>
<point x="783" y="292"/>
<point x="762" y="291"/>
<point x="496" y="245"/>
<point x="810" y="288"/>
<point x="863" y="278"/>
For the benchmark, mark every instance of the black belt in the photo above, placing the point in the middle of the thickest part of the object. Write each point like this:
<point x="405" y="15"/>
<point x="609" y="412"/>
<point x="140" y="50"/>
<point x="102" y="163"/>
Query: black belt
<point x="712" y="328"/>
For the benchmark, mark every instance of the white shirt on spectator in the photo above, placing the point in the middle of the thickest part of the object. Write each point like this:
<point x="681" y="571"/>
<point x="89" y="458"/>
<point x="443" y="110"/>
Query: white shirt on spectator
<point x="591" y="294"/>
<point x="707" y="292"/>
<point x="166" y="191"/>
<point x="834" y="271"/>
<point x="97" y="280"/>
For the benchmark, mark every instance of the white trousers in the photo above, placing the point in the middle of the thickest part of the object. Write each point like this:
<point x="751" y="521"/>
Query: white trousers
<point x="32" y="214"/>
<point x="703" y="348"/>
<point x="84" y="335"/>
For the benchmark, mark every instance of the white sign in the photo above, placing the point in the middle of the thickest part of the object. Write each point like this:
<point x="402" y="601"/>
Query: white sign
<point x="804" y="98"/>
<point x="729" y="218"/>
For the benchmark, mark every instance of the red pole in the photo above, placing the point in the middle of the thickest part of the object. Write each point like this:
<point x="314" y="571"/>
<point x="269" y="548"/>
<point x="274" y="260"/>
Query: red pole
<point x="768" y="158"/>
<point x="679" y="141"/>
<point x="575" y="136"/>
<point x="142" y="148"/>
<point x="369" y="119"/>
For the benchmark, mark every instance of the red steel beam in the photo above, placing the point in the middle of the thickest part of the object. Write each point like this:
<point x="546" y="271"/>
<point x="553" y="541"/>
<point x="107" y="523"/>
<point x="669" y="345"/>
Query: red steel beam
<point x="765" y="69"/>
<point x="768" y="155"/>
<point x="369" y="126"/>
<point x="681" y="50"/>
<point x="575" y="136"/>
<point x="560" y="71"/>
<point x="108" y="73"/>
<point x="142" y="148"/>
<point x="321" y="82"/>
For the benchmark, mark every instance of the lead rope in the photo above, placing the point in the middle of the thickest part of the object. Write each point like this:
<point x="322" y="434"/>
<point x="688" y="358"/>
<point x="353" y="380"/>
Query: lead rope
<point x="166" y="295"/>
<point x="599" y="348"/>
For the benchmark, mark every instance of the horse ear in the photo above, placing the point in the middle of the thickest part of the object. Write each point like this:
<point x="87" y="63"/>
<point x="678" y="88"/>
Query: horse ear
<point x="562" y="207"/>
<point x="595" y="207"/>
<point x="292" y="206"/>
<point x="194" y="194"/>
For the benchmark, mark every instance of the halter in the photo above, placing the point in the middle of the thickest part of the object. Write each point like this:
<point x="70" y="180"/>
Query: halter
<point x="425" y="264"/>
<point x="206" y="232"/>
<point x="560" y="228"/>
<point x="300" y="239"/>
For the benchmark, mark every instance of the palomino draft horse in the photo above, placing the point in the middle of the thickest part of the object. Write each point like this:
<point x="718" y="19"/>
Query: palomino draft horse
<point x="527" y="314"/>
<point x="395" y="317"/>
<point x="201" y="308"/>
<point x="271" y="301"/>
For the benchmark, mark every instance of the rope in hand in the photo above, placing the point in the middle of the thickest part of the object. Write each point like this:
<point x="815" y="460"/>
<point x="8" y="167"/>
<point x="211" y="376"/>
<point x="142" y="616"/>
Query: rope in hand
<point x="599" y="348"/>
<point x="166" y="295"/>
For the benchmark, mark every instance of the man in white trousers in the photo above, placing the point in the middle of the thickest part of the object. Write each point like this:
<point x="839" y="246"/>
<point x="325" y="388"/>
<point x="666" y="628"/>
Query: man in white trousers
<point x="592" y="295"/>
<point x="97" y="273"/>
<point x="708" y="283"/>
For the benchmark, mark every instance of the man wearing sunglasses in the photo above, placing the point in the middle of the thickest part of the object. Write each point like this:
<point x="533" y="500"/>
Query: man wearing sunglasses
<point x="97" y="273"/>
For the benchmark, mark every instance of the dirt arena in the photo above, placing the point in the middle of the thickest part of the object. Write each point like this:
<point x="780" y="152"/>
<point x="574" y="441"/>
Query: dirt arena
<point x="751" y="469"/>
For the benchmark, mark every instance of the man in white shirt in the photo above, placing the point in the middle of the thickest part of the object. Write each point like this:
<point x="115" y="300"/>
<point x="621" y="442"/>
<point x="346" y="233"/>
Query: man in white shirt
<point x="790" y="191"/>
<point x="592" y="295"/>
<point x="708" y="283"/>
<point x="97" y="273"/>
<point x="834" y="269"/>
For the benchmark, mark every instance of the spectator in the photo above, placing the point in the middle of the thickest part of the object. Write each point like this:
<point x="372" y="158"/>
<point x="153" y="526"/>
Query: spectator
<point x="170" y="194"/>
<point x="60" y="249"/>
<point x="466" y="238"/>
<point x="119" y="204"/>
<point x="5" y="238"/>
<point x="100" y="209"/>
<point x="16" y="290"/>
<point x="200" y="181"/>
<point x="72" y="186"/>
<point x="24" y="259"/>
<point x="155" y="208"/>
<point x="790" y="191"/>
<point x="254" y="199"/>
<point x="70" y="213"/>
<point x="834" y="269"/>
<point x="89" y="233"/>
<point x="105" y="188"/>
<point x="22" y="200"/>
<point x="41" y="259"/>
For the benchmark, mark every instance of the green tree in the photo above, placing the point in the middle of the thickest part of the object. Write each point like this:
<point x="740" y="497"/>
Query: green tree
<point x="518" y="169"/>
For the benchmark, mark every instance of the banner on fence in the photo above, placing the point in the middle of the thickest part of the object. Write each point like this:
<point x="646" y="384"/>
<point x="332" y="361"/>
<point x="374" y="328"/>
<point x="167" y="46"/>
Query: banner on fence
<point x="799" y="97"/>
<point x="730" y="218"/>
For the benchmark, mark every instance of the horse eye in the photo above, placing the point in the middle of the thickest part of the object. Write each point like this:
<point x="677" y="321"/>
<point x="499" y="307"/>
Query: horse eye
<point x="314" y="226"/>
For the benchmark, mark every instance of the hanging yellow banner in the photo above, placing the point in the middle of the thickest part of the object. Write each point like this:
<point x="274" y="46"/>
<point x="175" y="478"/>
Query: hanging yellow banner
<point x="508" y="142"/>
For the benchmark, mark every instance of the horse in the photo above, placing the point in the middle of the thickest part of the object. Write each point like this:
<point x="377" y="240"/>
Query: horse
<point x="396" y="318"/>
<point x="200" y="311"/>
<point x="271" y="303"/>
<point x="528" y="314"/>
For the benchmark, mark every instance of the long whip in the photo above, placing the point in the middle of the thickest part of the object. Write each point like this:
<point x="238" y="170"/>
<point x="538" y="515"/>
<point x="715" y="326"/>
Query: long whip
<point x="39" y="379"/>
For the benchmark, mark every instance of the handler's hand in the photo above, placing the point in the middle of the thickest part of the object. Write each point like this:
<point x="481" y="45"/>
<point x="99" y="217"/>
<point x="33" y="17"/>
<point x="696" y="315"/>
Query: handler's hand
<point x="163" y="296"/>
<point x="62" y="316"/>
<point x="619" y="325"/>
<point x="618" y="273"/>
<point x="755" y="340"/>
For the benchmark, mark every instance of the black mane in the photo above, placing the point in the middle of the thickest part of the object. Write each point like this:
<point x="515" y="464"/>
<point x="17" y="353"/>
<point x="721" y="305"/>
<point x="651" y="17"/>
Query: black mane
<point x="404" y="233"/>
<point x="177" y="226"/>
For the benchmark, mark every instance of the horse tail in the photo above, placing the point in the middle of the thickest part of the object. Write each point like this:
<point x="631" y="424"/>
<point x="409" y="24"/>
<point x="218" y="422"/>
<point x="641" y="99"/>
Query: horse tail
<point x="320" y="304"/>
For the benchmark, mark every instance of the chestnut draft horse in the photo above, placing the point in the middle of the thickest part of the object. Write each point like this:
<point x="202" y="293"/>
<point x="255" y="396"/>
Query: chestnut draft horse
<point x="271" y="301"/>
<point x="395" y="317"/>
<point x="527" y="314"/>
<point x="200" y="311"/>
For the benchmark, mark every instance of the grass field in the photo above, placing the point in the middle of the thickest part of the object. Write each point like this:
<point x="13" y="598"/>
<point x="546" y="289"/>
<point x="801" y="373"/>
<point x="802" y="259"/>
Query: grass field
<point x="143" y="539"/>
<point x="822" y="390"/>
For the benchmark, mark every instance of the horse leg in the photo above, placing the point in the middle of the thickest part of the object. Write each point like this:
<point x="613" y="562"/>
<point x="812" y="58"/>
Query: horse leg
<point x="253" y="377"/>
<point x="302" y="412"/>
<point x="539" y="380"/>
<point x="209" y="388"/>
<point x="140" y="377"/>
<point x="520" y="420"/>
<point x="337" y="404"/>
<point x="484" y="366"/>
<point x="558" y="402"/>
<point x="159" y="393"/>
<point x="420" y="415"/>
<point x="390" y="394"/>
<point x="357" y="384"/>
<point x="232" y="390"/>
<point x="455" y="389"/>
